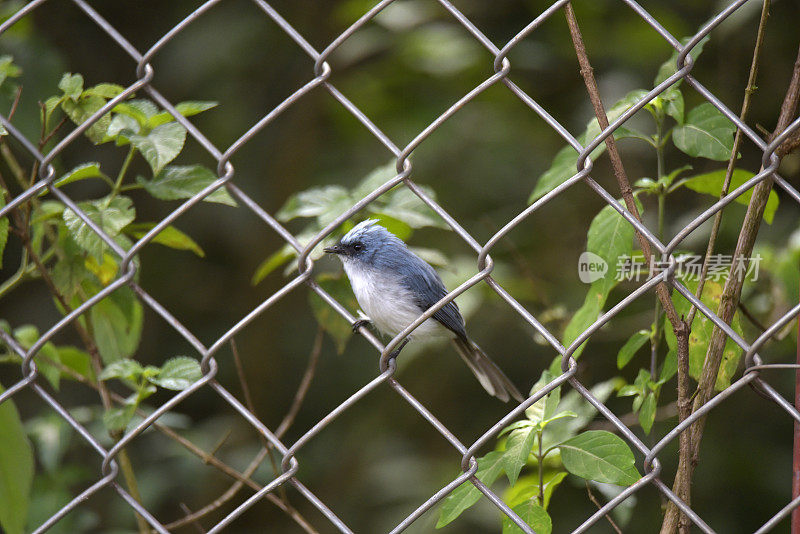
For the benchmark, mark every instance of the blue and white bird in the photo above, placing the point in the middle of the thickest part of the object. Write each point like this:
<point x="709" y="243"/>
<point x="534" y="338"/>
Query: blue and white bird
<point x="394" y="287"/>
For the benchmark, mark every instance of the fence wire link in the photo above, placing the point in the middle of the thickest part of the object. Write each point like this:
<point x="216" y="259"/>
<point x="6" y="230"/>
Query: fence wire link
<point x="320" y="71"/>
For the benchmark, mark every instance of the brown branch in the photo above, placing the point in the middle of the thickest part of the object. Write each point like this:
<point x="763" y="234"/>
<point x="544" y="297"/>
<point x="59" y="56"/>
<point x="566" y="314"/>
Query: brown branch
<point x="744" y="247"/>
<point x="196" y="525"/>
<point x="730" y="298"/>
<point x="14" y="105"/>
<point x="305" y="383"/>
<point x="662" y="291"/>
<point x="684" y="410"/>
<point x="750" y="89"/>
<point x="242" y="479"/>
<point x="302" y="390"/>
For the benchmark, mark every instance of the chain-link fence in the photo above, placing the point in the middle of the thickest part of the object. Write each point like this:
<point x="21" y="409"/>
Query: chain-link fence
<point x="291" y="453"/>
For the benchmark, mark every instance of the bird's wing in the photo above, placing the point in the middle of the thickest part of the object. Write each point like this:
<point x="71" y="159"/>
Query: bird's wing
<point x="427" y="287"/>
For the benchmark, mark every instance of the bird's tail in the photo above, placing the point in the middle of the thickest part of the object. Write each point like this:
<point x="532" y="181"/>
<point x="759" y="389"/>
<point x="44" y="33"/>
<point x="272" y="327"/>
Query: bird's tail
<point x="487" y="372"/>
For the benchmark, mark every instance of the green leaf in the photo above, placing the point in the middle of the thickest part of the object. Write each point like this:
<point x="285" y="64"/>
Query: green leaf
<point x="376" y="178"/>
<point x="610" y="237"/>
<point x="46" y="358"/>
<point x="672" y="100"/>
<point x="528" y="486"/>
<point x="117" y="324"/>
<point x="110" y="215"/>
<point x="81" y="172"/>
<point x="177" y="182"/>
<point x="706" y="133"/>
<point x="669" y="178"/>
<point x="601" y="456"/>
<point x="629" y="349"/>
<point x="325" y="203"/>
<point x="402" y="204"/>
<point x="524" y="423"/>
<point x="7" y="68"/>
<point x="77" y="360"/>
<point x="187" y="109"/>
<point x="518" y="448"/>
<point x="464" y="496"/>
<point x="70" y="271"/>
<point x="71" y="85"/>
<point x="117" y="418"/>
<point x="125" y="369"/>
<point x="534" y="515"/>
<point x="178" y="373"/>
<point x="551" y="482"/>
<point x="538" y="411"/>
<point x="80" y="111"/>
<point x="670" y="66"/>
<point x="700" y="335"/>
<point x="161" y="145"/>
<point x="435" y="257"/>
<point x="328" y="318"/>
<point x="169" y="237"/>
<point x="286" y="253"/>
<point x="710" y="183"/>
<point x="16" y="470"/>
<point x="3" y="230"/>
<point x="140" y="110"/>
<point x="50" y="105"/>
<point x="120" y="126"/>
<point x="105" y="90"/>
<point x="583" y="318"/>
<point x="564" y="165"/>
<point x="628" y="390"/>
<point x="647" y="413"/>
<point x="670" y="366"/>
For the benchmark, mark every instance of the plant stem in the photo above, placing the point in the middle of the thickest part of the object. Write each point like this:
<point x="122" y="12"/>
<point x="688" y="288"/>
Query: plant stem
<point x="130" y="481"/>
<point x="540" y="459"/>
<point x="24" y="269"/>
<point x="655" y="340"/>
<point x="123" y="170"/>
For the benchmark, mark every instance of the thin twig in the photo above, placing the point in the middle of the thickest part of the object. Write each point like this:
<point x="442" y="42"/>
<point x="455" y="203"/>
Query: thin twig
<point x="750" y="89"/>
<point x="305" y="383"/>
<point x="750" y="317"/>
<point x="196" y="525"/>
<point x="599" y="506"/>
<point x="300" y="395"/>
<point x="731" y="293"/>
<point x="251" y="406"/>
<point x="17" y="96"/>
<point x="242" y="479"/>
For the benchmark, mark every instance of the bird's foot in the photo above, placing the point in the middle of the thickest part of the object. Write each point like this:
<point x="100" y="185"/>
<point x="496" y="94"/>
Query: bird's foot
<point x="359" y="323"/>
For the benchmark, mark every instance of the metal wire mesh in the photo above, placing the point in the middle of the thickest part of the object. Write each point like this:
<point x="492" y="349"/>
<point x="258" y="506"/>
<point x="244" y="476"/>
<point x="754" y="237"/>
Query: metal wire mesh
<point x="321" y="70"/>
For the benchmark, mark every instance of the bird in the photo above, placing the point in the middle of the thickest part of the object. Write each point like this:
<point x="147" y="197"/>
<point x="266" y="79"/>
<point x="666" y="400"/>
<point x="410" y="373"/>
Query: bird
<point x="394" y="286"/>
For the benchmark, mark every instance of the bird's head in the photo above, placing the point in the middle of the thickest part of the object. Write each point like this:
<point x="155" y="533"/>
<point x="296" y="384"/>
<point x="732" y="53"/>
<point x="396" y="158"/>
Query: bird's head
<point x="366" y="243"/>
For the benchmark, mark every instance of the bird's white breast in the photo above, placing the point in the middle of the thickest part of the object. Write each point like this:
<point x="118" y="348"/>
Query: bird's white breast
<point x="389" y="305"/>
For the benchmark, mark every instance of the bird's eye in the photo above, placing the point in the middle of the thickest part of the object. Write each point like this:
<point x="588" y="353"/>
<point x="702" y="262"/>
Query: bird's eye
<point x="358" y="247"/>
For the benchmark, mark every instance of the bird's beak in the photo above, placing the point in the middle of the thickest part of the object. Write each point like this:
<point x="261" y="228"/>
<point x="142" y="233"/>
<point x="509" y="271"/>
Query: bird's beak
<point x="335" y="249"/>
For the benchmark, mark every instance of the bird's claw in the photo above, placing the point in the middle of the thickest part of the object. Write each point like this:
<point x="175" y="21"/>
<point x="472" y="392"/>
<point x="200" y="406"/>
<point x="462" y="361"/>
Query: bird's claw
<point x="359" y="323"/>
